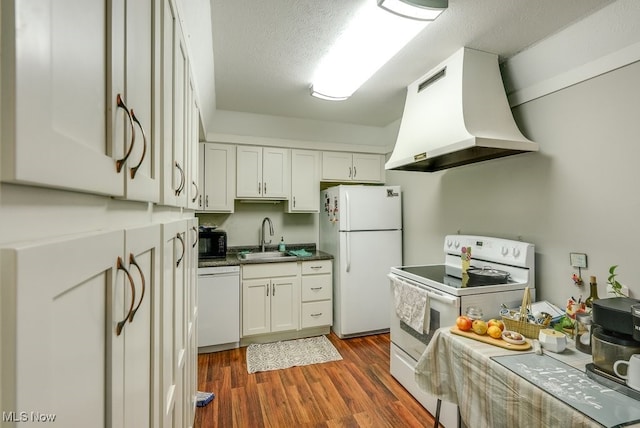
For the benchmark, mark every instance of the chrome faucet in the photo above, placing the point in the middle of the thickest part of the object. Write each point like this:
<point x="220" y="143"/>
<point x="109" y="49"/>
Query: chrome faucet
<point x="262" y="241"/>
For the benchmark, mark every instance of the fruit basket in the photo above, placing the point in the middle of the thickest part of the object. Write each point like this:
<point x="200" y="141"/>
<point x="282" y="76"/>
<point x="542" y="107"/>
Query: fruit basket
<point x="520" y="321"/>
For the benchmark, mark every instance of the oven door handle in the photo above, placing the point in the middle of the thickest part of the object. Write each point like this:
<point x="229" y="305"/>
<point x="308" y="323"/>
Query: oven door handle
<point x="433" y="294"/>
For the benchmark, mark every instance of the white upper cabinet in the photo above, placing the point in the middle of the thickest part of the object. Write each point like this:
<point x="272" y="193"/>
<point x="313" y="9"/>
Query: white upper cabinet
<point x="67" y="118"/>
<point x="305" y="181"/>
<point x="130" y="94"/>
<point x="263" y="172"/>
<point x="217" y="177"/>
<point x="54" y="101"/>
<point x="360" y="167"/>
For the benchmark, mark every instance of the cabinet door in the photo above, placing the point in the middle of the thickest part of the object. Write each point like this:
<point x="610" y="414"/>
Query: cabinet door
<point x="141" y="351"/>
<point x="249" y="172"/>
<point x="256" y="308"/>
<point x="219" y="177"/>
<point x="54" y="109"/>
<point x="192" y="188"/>
<point x="337" y="166"/>
<point x="276" y="173"/>
<point x="305" y="181"/>
<point x="174" y="73"/>
<point x="284" y="304"/>
<point x="56" y="301"/>
<point x="174" y="250"/>
<point x="141" y="167"/>
<point x="368" y="167"/>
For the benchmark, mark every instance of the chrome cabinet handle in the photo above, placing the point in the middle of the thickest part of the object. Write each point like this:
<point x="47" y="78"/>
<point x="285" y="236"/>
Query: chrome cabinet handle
<point x="273" y="290"/>
<point x="316" y="314"/>
<point x="179" y="237"/>
<point x="197" y="191"/>
<point x="315" y="267"/>
<point x="132" y="261"/>
<point x="200" y="201"/>
<point x="349" y="172"/>
<point x="120" y="325"/>
<point x="294" y="201"/>
<point x="265" y="188"/>
<point x="354" y="172"/>
<point x="181" y="185"/>
<point x="268" y="290"/>
<point x="134" y="170"/>
<point x="120" y="162"/>
<point x="206" y="201"/>
<point x="259" y="188"/>
<point x="316" y="288"/>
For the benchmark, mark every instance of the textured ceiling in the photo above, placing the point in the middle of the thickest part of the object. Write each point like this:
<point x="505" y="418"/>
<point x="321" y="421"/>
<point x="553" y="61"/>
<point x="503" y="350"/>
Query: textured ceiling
<point x="265" y="51"/>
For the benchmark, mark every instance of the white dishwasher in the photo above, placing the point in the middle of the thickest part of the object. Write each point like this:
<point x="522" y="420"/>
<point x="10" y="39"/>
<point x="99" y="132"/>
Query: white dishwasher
<point x="218" y="308"/>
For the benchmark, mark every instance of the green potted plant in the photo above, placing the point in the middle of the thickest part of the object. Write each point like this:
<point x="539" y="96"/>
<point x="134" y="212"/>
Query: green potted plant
<point x="616" y="287"/>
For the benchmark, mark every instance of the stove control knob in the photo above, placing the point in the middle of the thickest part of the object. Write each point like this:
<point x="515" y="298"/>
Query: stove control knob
<point x="516" y="252"/>
<point x="504" y="251"/>
<point x="456" y="244"/>
<point x="449" y="243"/>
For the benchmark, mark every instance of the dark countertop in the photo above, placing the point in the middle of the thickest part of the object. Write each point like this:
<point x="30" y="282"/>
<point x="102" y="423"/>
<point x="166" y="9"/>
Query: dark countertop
<point x="232" y="258"/>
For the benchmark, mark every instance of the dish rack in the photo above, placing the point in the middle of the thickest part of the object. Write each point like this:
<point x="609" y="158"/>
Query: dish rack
<point x="522" y="321"/>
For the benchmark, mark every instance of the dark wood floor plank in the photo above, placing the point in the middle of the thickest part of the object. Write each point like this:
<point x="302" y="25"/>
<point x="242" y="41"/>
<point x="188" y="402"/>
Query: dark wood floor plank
<point x="357" y="391"/>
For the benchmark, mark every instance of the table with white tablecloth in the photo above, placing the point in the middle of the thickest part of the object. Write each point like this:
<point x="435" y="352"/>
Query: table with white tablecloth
<point x="461" y="370"/>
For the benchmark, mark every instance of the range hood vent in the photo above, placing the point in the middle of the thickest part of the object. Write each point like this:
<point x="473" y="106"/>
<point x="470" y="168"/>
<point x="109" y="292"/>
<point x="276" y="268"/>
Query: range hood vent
<point x="455" y="115"/>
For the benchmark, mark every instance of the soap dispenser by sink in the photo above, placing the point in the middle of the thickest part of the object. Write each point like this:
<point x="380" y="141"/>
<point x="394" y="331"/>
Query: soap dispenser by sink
<point x="281" y="246"/>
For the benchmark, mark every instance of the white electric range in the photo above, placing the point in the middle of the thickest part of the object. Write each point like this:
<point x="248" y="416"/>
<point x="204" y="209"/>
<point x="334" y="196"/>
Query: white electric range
<point x="450" y="296"/>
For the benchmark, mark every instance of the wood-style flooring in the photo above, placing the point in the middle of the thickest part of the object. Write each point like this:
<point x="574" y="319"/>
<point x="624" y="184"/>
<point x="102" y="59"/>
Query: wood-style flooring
<point x="357" y="391"/>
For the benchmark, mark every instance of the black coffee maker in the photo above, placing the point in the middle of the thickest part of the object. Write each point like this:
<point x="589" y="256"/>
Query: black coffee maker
<point x="615" y="336"/>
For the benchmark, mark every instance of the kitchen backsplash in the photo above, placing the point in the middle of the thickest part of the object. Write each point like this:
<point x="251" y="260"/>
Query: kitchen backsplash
<point x="243" y="226"/>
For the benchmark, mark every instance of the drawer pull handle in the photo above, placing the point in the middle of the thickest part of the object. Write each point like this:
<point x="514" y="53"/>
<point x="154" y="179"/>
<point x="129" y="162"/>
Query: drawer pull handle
<point x="315" y="267"/>
<point x="316" y="288"/>
<point x="181" y="185"/>
<point x="120" y="104"/>
<point x="132" y="262"/>
<point x="179" y="237"/>
<point x="316" y="315"/>
<point x="134" y="170"/>
<point x="120" y="325"/>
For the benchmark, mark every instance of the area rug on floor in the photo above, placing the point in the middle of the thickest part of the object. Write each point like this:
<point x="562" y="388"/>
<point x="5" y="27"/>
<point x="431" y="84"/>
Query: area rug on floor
<point x="290" y="353"/>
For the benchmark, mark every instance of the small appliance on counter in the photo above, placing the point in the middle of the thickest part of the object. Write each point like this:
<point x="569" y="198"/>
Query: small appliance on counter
<point x="613" y="340"/>
<point x="212" y="243"/>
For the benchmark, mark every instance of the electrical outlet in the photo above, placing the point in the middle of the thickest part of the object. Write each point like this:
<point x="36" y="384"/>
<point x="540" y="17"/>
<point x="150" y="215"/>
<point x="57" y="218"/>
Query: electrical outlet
<point x="578" y="260"/>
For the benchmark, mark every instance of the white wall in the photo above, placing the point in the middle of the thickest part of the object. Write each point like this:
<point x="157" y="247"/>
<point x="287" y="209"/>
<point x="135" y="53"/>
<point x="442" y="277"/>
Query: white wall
<point x="578" y="194"/>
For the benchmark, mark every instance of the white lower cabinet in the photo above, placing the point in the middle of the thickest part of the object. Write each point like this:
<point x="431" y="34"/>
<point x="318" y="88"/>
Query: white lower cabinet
<point x="270" y="298"/>
<point x="285" y="297"/>
<point x="179" y="247"/>
<point x="79" y="313"/>
<point x="317" y="286"/>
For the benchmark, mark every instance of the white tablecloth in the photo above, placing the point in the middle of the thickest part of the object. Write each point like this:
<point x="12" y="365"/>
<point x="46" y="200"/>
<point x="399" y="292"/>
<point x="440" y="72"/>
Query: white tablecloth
<point x="460" y="370"/>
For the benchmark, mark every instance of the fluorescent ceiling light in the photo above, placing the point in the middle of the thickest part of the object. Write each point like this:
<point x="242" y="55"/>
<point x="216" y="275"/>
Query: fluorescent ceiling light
<point x="372" y="38"/>
<point x="422" y="10"/>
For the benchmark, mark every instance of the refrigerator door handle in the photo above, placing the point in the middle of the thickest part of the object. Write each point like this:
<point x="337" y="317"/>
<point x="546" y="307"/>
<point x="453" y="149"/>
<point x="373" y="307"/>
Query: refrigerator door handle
<point x="345" y="214"/>
<point x="347" y="239"/>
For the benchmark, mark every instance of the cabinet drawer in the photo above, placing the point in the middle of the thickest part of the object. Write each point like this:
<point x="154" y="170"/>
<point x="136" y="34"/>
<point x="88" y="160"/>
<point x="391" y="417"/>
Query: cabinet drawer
<point x="269" y="270"/>
<point x="316" y="287"/>
<point x="312" y="267"/>
<point x="315" y="314"/>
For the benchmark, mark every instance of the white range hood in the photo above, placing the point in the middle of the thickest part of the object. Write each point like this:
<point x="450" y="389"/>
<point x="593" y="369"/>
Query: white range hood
<point x="455" y="115"/>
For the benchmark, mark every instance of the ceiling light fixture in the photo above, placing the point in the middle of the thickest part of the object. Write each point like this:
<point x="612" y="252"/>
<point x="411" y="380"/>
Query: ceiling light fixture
<point x="370" y="40"/>
<point x="421" y="10"/>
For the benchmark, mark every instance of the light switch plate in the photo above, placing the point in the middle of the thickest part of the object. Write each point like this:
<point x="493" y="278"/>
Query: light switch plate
<point x="578" y="260"/>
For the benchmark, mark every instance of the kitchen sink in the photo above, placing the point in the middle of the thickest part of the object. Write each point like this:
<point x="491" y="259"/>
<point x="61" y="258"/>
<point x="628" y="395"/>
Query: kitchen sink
<point x="267" y="256"/>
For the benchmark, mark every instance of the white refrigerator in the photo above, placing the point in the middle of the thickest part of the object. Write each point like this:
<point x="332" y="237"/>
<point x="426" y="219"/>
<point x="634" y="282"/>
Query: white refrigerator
<point x="361" y="226"/>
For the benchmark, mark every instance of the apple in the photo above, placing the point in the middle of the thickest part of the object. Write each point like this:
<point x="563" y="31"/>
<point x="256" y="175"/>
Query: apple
<point x="463" y="323"/>
<point x="496" y="322"/>
<point x="494" y="331"/>
<point x="479" y="327"/>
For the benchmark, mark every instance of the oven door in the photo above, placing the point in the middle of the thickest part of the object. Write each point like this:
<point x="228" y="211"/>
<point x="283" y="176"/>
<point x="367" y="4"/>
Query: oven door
<point x="443" y="309"/>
